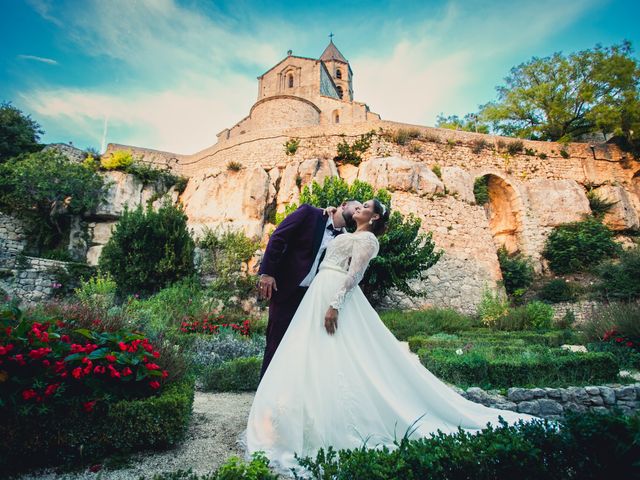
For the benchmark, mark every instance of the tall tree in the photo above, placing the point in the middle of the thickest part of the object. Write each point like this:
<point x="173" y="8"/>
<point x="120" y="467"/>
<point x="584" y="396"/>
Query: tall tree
<point x="562" y="97"/>
<point x="18" y="132"/>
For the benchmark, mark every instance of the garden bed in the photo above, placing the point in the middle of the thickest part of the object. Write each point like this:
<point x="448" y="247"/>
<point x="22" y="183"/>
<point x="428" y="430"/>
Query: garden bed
<point x="66" y="435"/>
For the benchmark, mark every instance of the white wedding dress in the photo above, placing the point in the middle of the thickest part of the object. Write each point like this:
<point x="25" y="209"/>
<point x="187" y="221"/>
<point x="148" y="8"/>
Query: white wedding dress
<point x="358" y="385"/>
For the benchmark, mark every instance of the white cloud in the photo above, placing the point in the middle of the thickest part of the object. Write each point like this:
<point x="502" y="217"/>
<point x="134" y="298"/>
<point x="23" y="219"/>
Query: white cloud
<point x="193" y="64"/>
<point x="437" y="65"/>
<point x="49" y="61"/>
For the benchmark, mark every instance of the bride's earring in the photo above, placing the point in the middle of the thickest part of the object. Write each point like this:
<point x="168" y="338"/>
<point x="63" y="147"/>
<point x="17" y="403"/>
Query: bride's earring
<point x="370" y="222"/>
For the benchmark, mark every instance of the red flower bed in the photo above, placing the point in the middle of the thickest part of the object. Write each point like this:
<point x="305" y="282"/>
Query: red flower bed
<point x="48" y="362"/>
<point x="613" y="336"/>
<point x="212" y="325"/>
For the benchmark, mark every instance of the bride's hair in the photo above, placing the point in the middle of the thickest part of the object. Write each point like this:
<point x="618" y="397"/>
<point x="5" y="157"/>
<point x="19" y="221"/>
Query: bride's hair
<point x="380" y="225"/>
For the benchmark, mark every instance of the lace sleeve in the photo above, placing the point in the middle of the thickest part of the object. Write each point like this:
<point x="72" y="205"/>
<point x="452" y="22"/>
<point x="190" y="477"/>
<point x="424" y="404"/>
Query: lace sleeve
<point x="364" y="249"/>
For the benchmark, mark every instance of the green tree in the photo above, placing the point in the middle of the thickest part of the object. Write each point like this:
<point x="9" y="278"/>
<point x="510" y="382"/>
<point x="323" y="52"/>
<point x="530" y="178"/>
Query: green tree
<point x="579" y="246"/>
<point x="562" y="97"/>
<point x="405" y="252"/>
<point x="149" y="249"/>
<point x="19" y="133"/>
<point x="44" y="189"/>
<point x="471" y="122"/>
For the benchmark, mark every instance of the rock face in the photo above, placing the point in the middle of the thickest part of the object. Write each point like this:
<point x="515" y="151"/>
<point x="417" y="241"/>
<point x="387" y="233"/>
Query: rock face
<point x="622" y="215"/>
<point x="399" y="174"/>
<point x="557" y="201"/>
<point x="459" y="183"/>
<point x="228" y="199"/>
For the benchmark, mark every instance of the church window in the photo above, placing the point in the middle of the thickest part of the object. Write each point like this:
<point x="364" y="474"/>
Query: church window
<point x="337" y="118"/>
<point x="339" y="91"/>
<point x="290" y="81"/>
<point x="338" y="73"/>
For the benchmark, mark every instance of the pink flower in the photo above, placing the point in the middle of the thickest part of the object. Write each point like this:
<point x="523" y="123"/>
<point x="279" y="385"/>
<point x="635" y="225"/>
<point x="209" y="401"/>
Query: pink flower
<point x="29" y="394"/>
<point x="155" y="385"/>
<point x="111" y="358"/>
<point x="88" y="406"/>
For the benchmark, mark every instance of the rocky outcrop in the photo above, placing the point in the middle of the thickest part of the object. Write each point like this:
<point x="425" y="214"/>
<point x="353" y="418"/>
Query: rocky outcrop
<point x="554" y="202"/>
<point x="228" y="199"/>
<point x="399" y="174"/>
<point x="622" y="215"/>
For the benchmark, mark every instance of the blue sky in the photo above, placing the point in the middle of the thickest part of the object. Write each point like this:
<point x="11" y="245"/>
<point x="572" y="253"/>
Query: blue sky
<point x="170" y="74"/>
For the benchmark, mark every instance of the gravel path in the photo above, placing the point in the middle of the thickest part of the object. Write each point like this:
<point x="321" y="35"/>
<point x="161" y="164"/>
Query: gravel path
<point x="218" y="419"/>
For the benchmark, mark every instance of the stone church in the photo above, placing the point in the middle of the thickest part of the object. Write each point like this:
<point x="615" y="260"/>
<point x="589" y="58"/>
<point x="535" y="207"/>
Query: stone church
<point x="302" y="91"/>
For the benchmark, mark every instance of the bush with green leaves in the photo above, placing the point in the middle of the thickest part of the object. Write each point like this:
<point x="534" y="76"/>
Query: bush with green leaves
<point x="238" y="375"/>
<point x="352" y="153"/>
<point x="586" y="446"/>
<point x="118" y="160"/>
<point x="69" y="435"/>
<point x="620" y="280"/>
<point x="45" y="189"/>
<point x="532" y="366"/>
<point x="405" y="253"/>
<point x="19" y="133"/>
<point x="624" y="318"/>
<point x="481" y="190"/>
<point x="149" y="249"/>
<point x="492" y="307"/>
<point x="225" y="256"/>
<point x="557" y="290"/>
<point x="579" y="246"/>
<point x="483" y="337"/>
<point x="517" y="271"/>
<point x="165" y="310"/>
<point x="234" y="468"/>
<point x="97" y="292"/>
<point x="534" y="315"/>
<point x="405" y="324"/>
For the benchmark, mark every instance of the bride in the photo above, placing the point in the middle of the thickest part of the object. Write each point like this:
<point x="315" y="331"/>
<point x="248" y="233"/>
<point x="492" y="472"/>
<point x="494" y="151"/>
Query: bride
<point x="340" y="378"/>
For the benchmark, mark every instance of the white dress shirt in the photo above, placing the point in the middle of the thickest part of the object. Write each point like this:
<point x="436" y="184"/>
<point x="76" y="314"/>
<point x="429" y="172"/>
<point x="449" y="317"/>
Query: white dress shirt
<point x="326" y="239"/>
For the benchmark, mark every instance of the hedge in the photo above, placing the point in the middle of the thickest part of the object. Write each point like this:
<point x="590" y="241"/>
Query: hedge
<point x="238" y="375"/>
<point x="586" y="446"/>
<point x="67" y="435"/>
<point x="553" y="338"/>
<point x="506" y="369"/>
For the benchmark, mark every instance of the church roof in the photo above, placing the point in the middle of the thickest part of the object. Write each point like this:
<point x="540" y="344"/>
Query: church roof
<point x="332" y="53"/>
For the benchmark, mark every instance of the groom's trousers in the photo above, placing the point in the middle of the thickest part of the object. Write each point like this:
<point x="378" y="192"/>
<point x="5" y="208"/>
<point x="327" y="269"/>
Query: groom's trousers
<point x="280" y="316"/>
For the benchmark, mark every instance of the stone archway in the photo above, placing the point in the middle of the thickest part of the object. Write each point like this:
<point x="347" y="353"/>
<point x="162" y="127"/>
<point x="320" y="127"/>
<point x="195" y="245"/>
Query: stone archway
<point x="504" y="211"/>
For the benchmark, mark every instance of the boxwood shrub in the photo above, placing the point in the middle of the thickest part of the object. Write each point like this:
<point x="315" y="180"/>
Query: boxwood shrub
<point x="238" y="375"/>
<point x="510" y="367"/>
<point x="68" y="435"/>
<point x="586" y="446"/>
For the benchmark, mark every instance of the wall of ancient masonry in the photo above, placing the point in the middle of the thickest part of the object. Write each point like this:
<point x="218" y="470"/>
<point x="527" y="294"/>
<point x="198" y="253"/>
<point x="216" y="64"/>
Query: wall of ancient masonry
<point x="32" y="279"/>
<point x="529" y="195"/>
<point x="12" y="239"/>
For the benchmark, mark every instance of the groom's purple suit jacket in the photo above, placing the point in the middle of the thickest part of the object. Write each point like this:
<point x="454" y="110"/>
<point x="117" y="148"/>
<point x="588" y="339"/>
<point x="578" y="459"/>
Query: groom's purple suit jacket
<point x="288" y="258"/>
<point x="292" y="248"/>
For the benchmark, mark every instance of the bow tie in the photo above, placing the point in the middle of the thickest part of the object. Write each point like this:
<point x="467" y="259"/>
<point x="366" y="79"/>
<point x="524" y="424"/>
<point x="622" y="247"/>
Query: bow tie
<point x="333" y="231"/>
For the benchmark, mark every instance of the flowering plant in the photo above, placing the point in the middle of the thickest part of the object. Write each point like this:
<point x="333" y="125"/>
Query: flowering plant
<point x="43" y="363"/>
<point x="615" y="337"/>
<point x="212" y="324"/>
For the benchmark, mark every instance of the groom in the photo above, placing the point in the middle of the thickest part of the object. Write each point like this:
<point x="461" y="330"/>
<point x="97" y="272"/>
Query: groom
<point x="290" y="262"/>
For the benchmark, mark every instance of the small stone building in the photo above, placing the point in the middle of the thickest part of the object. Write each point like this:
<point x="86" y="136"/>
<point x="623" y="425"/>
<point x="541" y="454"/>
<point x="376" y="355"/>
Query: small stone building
<point x="302" y="91"/>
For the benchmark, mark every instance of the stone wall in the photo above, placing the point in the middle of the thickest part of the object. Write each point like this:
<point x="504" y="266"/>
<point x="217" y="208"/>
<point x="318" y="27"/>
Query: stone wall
<point x="552" y="403"/>
<point x="32" y="279"/>
<point x="12" y="240"/>
<point x="531" y="191"/>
